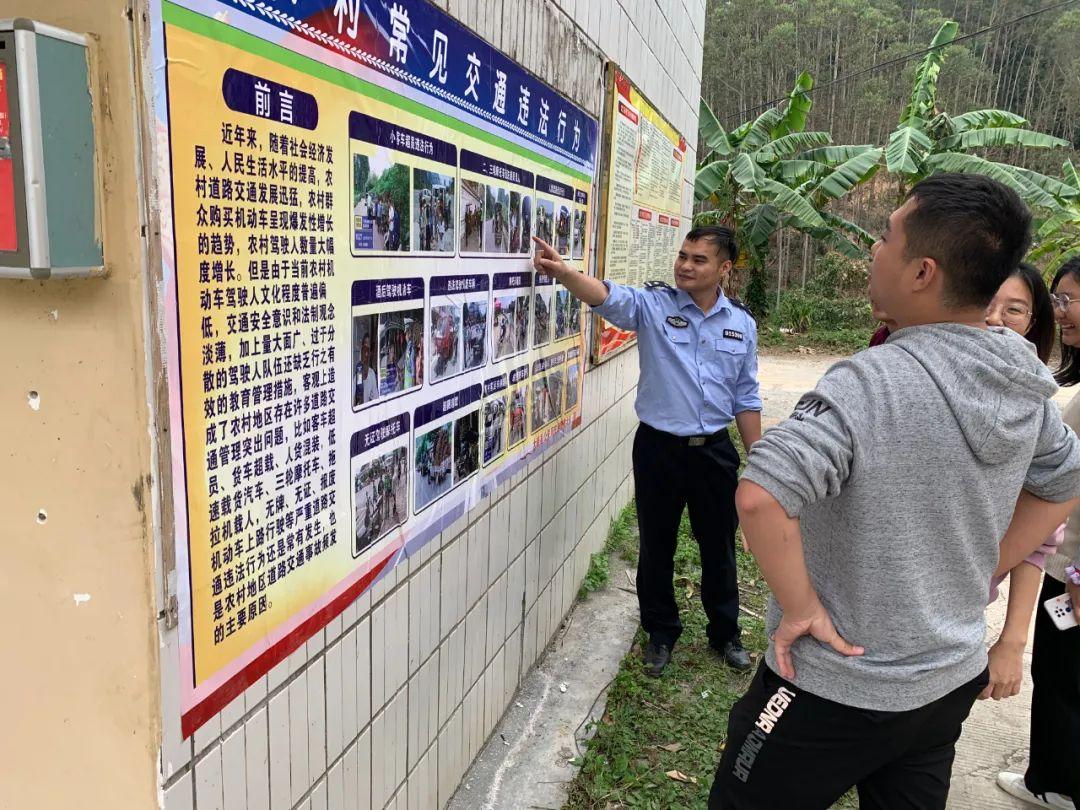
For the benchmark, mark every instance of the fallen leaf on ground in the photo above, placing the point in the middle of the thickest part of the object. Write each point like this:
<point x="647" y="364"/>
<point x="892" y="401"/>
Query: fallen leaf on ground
<point x="673" y="748"/>
<point x="679" y="776"/>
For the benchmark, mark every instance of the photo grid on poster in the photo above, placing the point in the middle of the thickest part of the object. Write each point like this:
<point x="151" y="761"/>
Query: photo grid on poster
<point x="388" y="323"/>
<point x="380" y="466"/>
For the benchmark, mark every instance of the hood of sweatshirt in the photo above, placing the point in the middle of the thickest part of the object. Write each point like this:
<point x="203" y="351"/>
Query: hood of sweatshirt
<point x="991" y="378"/>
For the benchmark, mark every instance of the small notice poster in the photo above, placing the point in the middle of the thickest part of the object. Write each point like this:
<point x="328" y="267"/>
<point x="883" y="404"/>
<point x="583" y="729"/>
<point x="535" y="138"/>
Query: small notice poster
<point x="358" y="347"/>
<point x="641" y="221"/>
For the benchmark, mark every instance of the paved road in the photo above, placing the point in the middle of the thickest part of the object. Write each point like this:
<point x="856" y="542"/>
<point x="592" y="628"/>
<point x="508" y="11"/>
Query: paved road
<point x="995" y="736"/>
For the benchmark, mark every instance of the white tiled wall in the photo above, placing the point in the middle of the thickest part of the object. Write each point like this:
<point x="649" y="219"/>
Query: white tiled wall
<point x="388" y="705"/>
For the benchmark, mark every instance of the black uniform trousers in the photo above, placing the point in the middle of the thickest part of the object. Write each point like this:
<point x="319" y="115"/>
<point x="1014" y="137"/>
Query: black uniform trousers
<point x="1055" y="703"/>
<point x="671" y="474"/>
<point x="791" y="749"/>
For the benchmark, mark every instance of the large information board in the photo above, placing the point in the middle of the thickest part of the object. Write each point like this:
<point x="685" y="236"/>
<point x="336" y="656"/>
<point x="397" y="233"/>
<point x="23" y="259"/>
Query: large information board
<point x="358" y="348"/>
<point x="641" y="204"/>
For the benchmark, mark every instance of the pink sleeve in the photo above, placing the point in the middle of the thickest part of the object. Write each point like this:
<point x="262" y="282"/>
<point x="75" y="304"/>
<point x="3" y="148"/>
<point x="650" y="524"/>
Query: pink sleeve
<point x="1036" y="558"/>
<point x="1049" y="546"/>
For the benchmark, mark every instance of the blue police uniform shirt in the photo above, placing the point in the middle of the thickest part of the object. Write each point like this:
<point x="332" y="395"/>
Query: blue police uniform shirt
<point x="697" y="369"/>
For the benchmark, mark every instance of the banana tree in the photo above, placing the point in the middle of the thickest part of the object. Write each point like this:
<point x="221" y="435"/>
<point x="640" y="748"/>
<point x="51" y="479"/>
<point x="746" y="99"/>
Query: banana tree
<point x="1057" y="238"/>
<point x="770" y="173"/>
<point x="929" y="140"/>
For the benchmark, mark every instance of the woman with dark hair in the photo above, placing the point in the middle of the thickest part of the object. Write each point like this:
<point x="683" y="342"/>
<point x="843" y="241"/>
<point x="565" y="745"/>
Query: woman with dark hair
<point x="1053" y="777"/>
<point x="1022" y="304"/>
<point x="1066" y="289"/>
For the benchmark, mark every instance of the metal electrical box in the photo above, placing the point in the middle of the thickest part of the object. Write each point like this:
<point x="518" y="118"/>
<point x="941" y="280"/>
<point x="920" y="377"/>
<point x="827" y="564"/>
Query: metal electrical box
<point x="48" y="179"/>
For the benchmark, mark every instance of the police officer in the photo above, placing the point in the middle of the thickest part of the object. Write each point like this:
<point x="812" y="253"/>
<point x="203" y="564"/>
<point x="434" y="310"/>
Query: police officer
<point x="697" y="351"/>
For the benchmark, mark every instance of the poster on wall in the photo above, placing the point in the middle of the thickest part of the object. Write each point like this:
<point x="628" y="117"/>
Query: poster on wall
<point x="358" y="349"/>
<point x="641" y="202"/>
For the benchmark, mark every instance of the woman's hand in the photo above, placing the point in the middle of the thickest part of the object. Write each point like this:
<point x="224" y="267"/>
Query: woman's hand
<point x="1006" y="669"/>
<point x="1074" y="594"/>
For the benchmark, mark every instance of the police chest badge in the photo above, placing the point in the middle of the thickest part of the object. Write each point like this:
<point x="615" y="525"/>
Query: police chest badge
<point x="733" y="334"/>
<point x="678" y="321"/>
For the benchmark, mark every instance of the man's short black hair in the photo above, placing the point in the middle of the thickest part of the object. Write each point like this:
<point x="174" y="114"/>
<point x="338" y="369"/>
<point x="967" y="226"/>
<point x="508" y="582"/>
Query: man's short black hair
<point x="723" y="238"/>
<point x="976" y="228"/>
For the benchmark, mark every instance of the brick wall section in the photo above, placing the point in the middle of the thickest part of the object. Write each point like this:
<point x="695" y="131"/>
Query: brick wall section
<point x="388" y="705"/>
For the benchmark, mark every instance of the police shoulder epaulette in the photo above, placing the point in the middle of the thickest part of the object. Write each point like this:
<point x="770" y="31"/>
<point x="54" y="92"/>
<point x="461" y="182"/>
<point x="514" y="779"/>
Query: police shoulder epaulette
<point x="658" y="285"/>
<point x="735" y="302"/>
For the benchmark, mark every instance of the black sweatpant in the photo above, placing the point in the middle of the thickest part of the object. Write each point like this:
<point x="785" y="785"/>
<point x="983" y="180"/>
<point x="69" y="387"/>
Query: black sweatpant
<point x="670" y="475"/>
<point x="792" y="749"/>
<point x="1055" y="703"/>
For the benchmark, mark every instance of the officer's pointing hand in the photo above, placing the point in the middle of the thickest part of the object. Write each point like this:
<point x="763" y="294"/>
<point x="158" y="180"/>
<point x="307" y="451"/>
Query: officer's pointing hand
<point x="546" y="260"/>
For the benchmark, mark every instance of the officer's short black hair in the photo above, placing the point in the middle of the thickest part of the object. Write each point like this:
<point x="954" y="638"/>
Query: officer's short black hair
<point x="976" y="228"/>
<point x="723" y="238"/>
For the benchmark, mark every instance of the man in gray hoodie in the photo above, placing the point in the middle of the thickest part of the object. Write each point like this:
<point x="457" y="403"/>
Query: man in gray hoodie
<point x="879" y="511"/>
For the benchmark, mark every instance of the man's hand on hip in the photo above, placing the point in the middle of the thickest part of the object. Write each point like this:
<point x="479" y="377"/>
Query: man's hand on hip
<point x="815" y="623"/>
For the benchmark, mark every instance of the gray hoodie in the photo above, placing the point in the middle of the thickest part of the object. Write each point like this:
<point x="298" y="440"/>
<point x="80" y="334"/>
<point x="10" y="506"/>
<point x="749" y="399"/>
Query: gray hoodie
<point x="904" y="467"/>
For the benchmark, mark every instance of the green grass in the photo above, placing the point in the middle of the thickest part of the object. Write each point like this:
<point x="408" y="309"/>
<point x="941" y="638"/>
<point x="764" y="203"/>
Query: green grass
<point x="597" y="576"/>
<point x="625" y="764"/>
<point x="622" y="538"/>
<point x="622" y="542"/>
<point x="627" y="761"/>
<point x="828" y="340"/>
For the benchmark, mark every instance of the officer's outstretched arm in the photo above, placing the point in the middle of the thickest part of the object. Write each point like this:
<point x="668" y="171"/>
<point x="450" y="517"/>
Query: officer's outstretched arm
<point x="546" y="260"/>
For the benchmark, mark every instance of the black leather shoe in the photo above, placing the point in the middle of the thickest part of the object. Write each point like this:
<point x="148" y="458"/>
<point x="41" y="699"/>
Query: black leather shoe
<point x="656" y="657"/>
<point x="735" y="656"/>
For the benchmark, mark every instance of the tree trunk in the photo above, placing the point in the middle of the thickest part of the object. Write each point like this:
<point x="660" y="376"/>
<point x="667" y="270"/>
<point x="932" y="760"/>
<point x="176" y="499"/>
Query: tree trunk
<point x="805" y="257"/>
<point x="835" y="73"/>
<point x="1031" y="83"/>
<point x="779" y="264"/>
